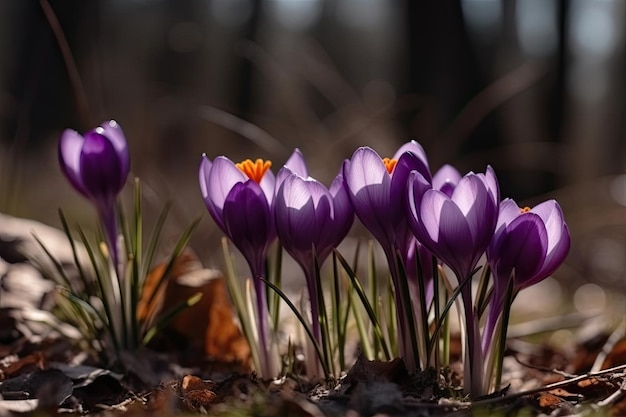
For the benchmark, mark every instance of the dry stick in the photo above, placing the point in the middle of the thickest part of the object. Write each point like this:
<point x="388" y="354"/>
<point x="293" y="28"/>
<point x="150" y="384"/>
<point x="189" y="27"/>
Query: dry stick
<point x="552" y="386"/>
<point x="72" y="70"/>
<point x="467" y="404"/>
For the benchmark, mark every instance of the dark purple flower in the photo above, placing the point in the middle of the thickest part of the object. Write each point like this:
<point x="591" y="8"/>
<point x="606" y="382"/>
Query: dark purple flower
<point x="239" y="198"/>
<point x="456" y="228"/>
<point x="528" y="246"/>
<point x="531" y="242"/>
<point x="311" y="220"/>
<point x="97" y="165"/>
<point x="446" y="179"/>
<point x="310" y="215"/>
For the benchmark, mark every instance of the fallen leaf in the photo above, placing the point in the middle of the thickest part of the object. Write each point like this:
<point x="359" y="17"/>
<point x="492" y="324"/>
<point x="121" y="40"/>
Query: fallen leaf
<point x="617" y="355"/>
<point x="549" y="401"/>
<point x="209" y="326"/>
<point x="197" y="394"/>
<point x="17" y="365"/>
<point x="50" y="386"/>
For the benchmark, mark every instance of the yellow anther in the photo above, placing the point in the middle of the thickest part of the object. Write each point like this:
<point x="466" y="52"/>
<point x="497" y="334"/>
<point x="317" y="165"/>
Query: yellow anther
<point x="390" y="164"/>
<point x="524" y="210"/>
<point x="254" y="170"/>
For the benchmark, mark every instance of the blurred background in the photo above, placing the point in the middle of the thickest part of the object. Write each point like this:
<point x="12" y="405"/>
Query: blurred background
<point x="536" y="88"/>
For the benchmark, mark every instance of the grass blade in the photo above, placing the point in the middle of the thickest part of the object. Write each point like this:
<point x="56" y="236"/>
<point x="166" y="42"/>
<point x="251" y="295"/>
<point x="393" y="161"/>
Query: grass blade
<point x="368" y="308"/>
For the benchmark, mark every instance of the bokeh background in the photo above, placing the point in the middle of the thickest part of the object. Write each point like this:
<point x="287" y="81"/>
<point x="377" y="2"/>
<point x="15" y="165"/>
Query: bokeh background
<point x="536" y="88"/>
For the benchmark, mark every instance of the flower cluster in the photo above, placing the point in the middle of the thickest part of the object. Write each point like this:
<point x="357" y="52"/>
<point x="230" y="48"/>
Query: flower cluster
<point x="425" y="223"/>
<point x="422" y="222"/>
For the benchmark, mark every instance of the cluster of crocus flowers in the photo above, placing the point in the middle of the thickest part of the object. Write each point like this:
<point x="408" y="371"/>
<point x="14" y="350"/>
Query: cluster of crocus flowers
<point x="412" y="214"/>
<point x="97" y="165"/>
<point x="422" y="221"/>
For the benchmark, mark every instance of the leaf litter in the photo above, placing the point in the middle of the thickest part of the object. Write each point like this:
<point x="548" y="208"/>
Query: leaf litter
<point x="200" y="364"/>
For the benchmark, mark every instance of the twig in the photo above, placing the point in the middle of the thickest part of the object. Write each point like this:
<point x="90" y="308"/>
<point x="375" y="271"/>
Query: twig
<point x="554" y="385"/>
<point x="72" y="70"/>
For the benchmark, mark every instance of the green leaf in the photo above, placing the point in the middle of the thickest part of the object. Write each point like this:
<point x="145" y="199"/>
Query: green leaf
<point x="307" y="329"/>
<point x="368" y="308"/>
<point x="178" y="248"/>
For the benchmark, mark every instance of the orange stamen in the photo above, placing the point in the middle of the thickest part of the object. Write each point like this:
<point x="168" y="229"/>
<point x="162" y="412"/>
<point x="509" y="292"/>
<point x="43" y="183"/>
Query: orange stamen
<point x="524" y="210"/>
<point x="254" y="170"/>
<point x="390" y="164"/>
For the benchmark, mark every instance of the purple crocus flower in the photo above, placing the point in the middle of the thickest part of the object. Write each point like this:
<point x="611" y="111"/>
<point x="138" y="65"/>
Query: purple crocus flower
<point x="377" y="189"/>
<point x="532" y="242"/>
<point x="457" y="229"/>
<point x="97" y="165"/>
<point x="310" y="215"/>
<point x="239" y="198"/>
<point x="528" y="246"/>
<point x="311" y="220"/>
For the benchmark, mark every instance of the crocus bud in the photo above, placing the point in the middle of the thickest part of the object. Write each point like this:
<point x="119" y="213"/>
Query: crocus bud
<point x="97" y="165"/>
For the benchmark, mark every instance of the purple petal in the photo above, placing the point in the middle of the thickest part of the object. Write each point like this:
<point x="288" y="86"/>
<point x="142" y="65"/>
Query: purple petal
<point x="418" y="151"/>
<point x="368" y="184"/>
<point x="407" y="164"/>
<point x="558" y="237"/>
<point x="551" y="214"/>
<point x="476" y="204"/>
<point x="70" y="147"/>
<point x="492" y="183"/>
<point x="268" y="185"/>
<point x="417" y="186"/>
<point x="100" y="168"/>
<point x="113" y="131"/>
<point x="248" y="222"/>
<point x="522" y="250"/>
<point x="429" y="215"/>
<point x="446" y="179"/>
<point x="222" y="177"/>
<point x="283" y="173"/>
<point x="508" y="212"/>
<point x="455" y="247"/>
<point x="365" y="168"/>
<point x="296" y="164"/>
